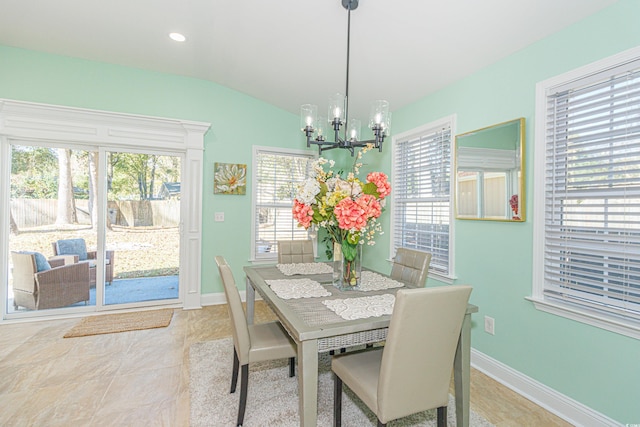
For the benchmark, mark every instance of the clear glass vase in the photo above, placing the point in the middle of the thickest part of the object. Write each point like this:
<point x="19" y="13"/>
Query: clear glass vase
<point x="347" y="272"/>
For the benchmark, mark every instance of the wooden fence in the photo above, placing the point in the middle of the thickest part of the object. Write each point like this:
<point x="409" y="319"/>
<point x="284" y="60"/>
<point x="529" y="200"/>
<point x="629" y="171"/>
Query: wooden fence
<point x="30" y="213"/>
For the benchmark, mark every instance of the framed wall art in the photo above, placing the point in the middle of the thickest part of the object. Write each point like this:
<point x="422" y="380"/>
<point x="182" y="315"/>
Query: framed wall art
<point x="230" y="178"/>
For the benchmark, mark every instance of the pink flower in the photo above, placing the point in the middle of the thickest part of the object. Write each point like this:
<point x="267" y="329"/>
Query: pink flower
<point x="381" y="182"/>
<point x="513" y="201"/>
<point x="302" y="213"/>
<point x="350" y="215"/>
<point x="370" y="205"/>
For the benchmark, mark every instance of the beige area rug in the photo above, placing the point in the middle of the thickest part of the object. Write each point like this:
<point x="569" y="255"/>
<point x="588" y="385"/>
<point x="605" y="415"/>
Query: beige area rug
<point x="273" y="397"/>
<point x="121" y="322"/>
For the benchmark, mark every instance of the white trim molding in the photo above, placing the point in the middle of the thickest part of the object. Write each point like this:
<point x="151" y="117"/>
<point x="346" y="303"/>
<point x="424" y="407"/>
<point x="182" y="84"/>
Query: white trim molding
<point x="553" y="401"/>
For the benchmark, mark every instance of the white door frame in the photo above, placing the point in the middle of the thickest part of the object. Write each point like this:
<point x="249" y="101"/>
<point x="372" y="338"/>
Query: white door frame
<point x="111" y="130"/>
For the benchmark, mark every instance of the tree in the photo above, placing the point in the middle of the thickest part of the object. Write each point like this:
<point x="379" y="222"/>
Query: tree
<point x="133" y="173"/>
<point x="13" y="227"/>
<point x="66" y="203"/>
<point x="93" y="186"/>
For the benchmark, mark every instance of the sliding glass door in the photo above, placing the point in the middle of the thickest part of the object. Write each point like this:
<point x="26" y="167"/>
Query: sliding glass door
<point x="142" y="227"/>
<point x="91" y="229"/>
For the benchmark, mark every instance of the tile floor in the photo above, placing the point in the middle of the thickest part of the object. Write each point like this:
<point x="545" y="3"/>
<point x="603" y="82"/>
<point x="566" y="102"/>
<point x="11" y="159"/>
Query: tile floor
<point x="141" y="378"/>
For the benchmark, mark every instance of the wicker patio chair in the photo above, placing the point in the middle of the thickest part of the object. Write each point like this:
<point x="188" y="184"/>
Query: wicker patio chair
<point x="78" y="247"/>
<point x="48" y="288"/>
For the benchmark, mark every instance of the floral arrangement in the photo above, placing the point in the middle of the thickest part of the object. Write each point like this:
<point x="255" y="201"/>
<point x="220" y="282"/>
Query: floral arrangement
<point x="345" y="206"/>
<point x="513" y="202"/>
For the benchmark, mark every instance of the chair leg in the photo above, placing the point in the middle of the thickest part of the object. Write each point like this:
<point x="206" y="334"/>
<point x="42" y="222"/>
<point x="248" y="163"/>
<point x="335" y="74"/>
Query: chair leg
<point x="442" y="416"/>
<point x="292" y="367"/>
<point x="337" y="401"/>
<point x="244" y="382"/>
<point x="234" y="374"/>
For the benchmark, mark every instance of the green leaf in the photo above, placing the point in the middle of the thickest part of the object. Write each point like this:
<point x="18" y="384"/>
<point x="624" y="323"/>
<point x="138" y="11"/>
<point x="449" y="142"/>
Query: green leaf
<point x="349" y="250"/>
<point x="370" y="188"/>
<point x="316" y="215"/>
<point x="323" y="191"/>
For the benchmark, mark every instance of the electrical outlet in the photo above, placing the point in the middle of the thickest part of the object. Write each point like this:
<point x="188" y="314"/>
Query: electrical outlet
<point x="219" y="216"/>
<point x="489" y="325"/>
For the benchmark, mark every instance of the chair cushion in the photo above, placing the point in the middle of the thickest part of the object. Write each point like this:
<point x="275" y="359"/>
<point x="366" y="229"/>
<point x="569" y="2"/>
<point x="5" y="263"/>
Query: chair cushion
<point x="73" y="247"/>
<point x="41" y="261"/>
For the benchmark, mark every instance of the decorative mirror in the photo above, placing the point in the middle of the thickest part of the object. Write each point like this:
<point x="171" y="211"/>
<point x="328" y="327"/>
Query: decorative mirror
<point x="489" y="173"/>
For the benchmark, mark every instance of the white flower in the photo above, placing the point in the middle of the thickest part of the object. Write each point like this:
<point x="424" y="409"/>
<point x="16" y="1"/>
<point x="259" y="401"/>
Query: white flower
<point x="307" y="191"/>
<point x="347" y="187"/>
<point x="331" y="183"/>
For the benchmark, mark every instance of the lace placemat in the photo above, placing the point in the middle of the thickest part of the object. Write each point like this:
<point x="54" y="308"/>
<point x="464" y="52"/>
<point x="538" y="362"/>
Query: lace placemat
<point x="362" y="307"/>
<point x="297" y="288"/>
<point x="371" y="281"/>
<point x="304" y="268"/>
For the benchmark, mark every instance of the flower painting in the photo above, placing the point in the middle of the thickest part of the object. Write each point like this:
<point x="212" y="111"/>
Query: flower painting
<point x="230" y="178"/>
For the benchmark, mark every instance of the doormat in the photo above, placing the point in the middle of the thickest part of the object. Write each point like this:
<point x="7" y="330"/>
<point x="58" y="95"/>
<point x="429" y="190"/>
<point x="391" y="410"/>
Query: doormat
<point x="121" y="322"/>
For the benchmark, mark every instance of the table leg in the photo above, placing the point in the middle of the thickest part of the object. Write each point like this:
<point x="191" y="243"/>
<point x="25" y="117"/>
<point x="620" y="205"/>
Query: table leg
<point x="462" y="373"/>
<point x="308" y="382"/>
<point x="251" y="300"/>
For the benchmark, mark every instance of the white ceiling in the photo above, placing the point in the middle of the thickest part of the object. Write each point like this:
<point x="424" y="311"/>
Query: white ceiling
<point x="291" y="52"/>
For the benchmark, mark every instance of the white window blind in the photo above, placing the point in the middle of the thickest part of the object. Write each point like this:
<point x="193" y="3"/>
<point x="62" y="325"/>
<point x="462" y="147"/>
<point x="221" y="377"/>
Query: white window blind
<point x="592" y="193"/>
<point x="276" y="175"/>
<point x="422" y="194"/>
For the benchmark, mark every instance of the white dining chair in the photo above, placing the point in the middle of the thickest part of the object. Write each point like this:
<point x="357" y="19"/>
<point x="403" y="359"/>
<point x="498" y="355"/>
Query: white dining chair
<point x="295" y="251"/>
<point x="411" y="266"/>
<point x="251" y="343"/>
<point x="412" y="372"/>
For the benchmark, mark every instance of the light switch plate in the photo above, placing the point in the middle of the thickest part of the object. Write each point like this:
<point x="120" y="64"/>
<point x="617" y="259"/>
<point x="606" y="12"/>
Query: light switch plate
<point x="219" y="216"/>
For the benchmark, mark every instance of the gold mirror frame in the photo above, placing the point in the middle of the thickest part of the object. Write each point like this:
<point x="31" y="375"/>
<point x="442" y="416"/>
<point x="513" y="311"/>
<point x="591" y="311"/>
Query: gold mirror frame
<point x="490" y="173"/>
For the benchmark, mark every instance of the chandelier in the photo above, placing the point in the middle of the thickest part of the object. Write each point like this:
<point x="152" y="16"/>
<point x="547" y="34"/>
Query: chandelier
<point x="314" y="126"/>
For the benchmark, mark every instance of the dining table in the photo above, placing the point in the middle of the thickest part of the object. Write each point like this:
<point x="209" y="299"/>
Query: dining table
<point x="316" y="328"/>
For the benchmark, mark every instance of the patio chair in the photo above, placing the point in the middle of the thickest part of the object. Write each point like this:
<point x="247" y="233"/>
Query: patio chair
<point x="295" y="251"/>
<point x="37" y="285"/>
<point x="411" y="266"/>
<point x="412" y="372"/>
<point x="78" y="247"/>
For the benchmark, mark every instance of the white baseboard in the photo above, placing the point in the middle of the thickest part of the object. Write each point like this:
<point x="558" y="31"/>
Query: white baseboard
<point x="563" y="406"/>
<point x="215" y="299"/>
<point x="219" y="298"/>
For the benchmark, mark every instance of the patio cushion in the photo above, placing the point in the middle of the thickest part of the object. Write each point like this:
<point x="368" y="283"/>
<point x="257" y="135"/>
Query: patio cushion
<point x="73" y="247"/>
<point x="41" y="261"/>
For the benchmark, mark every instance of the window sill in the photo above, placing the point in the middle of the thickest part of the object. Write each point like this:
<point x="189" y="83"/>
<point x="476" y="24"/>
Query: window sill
<point x="263" y="260"/>
<point x="441" y="278"/>
<point x="590" y="317"/>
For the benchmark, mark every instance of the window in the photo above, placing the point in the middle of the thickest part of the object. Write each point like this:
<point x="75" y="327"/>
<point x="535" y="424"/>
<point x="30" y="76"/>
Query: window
<point x="276" y="172"/>
<point x="421" y="213"/>
<point x="587" y="223"/>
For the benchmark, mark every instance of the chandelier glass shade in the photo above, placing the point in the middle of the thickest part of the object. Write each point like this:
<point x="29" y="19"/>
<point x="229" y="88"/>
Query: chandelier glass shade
<point x="317" y="128"/>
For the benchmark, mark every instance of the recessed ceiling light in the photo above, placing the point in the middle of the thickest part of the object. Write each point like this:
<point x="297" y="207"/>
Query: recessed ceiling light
<point x="177" y="37"/>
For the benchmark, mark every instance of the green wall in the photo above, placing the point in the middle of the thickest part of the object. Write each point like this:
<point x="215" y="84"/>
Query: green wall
<point x="595" y="367"/>
<point x="600" y="369"/>
<point x="237" y="123"/>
